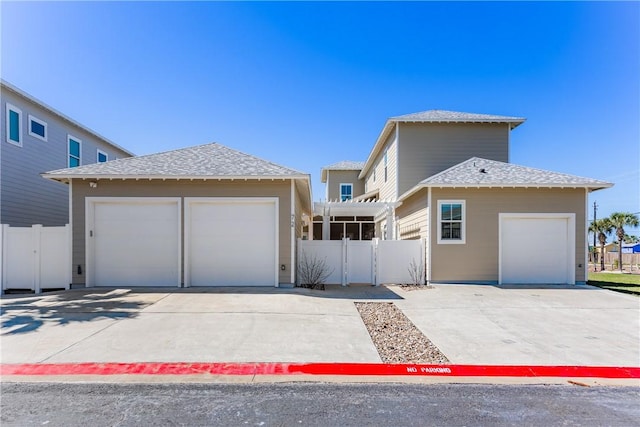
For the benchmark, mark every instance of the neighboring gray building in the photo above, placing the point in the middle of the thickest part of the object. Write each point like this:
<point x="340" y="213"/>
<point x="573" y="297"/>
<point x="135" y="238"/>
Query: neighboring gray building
<point x="37" y="138"/>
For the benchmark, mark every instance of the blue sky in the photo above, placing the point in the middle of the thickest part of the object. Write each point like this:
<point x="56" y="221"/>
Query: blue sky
<point x="309" y="84"/>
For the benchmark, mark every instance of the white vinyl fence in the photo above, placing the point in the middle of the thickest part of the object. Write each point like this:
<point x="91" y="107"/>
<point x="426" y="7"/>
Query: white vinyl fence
<point x="35" y="257"/>
<point x="366" y="261"/>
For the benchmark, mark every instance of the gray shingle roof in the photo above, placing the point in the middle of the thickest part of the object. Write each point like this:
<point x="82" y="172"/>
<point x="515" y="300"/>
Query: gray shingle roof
<point x="209" y="160"/>
<point x="345" y="165"/>
<point x="455" y="116"/>
<point x="491" y="173"/>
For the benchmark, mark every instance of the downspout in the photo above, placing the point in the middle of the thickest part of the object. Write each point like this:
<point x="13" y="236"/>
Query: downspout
<point x="585" y="268"/>
<point x="70" y="247"/>
<point x="429" y="233"/>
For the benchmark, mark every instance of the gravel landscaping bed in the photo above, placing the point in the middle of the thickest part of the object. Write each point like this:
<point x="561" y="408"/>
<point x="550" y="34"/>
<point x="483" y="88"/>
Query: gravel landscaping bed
<point x="396" y="338"/>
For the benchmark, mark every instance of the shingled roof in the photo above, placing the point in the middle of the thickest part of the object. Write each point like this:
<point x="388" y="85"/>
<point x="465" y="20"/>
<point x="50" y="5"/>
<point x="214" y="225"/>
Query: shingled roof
<point x="344" y="165"/>
<point x="203" y="161"/>
<point x="478" y="172"/>
<point x="444" y="116"/>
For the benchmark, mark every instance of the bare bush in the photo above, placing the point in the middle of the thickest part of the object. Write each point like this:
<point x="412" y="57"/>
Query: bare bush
<point x="312" y="271"/>
<point x="416" y="273"/>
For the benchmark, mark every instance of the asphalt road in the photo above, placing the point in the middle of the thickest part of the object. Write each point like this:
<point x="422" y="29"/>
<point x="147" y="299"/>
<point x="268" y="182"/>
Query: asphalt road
<point x="30" y="404"/>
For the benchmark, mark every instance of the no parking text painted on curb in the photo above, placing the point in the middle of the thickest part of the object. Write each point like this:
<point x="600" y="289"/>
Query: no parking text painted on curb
<point x="346" y="369"/>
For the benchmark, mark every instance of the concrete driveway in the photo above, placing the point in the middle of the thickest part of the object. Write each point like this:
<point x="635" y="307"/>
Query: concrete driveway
<point x="471" y="324"/>
<point x="525" y="325"/>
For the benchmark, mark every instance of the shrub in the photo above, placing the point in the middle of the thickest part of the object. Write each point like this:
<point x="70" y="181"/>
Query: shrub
<point x="312" y="272"/>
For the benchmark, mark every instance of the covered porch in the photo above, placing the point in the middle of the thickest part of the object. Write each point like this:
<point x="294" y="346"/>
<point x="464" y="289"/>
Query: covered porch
<point x="353" y="219"/>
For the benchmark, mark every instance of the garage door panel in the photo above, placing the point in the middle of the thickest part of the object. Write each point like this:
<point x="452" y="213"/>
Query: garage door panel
<point x="136" y="243"/>
<point x="232" y="243"/>
<point x="536" y="250"/>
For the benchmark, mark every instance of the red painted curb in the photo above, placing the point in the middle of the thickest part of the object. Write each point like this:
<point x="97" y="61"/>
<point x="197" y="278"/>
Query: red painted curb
<point x="357" y="369"/>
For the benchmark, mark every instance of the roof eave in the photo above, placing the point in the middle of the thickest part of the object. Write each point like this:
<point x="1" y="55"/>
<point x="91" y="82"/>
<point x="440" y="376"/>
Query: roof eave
<point x="66" y="177"/>
<point x="377" y="147"/>
<point x="62" y="116"/>
<point x="420" y="186"/>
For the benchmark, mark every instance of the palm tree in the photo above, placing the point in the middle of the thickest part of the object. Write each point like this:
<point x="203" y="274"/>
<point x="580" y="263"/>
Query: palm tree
<point x="602" y="228"/>
<point x="618" y="221"/>
<point x="630" y="238"/>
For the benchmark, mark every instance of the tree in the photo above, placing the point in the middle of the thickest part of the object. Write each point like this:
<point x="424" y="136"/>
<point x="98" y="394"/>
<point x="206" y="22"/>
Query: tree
<point x="630" y="238"/>
<point x="602" y="228"/>
<point x="619" y="220"/>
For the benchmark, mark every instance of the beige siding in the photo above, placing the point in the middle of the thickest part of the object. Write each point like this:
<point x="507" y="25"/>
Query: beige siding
<point x="412" y="217"/>
<point x="387" y="188"/>
<point x="172" y="188"/>
<point x="477" y="259"/>
<point x="335" y="178"/>
<point x="429" y="148"/>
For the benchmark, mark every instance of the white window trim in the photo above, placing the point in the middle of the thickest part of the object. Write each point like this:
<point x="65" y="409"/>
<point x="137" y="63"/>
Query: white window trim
<point x="98" y="152"/>
<point x="41" y="122"/>
<point x="463" y="228"/>
<point x="386" y="163"/>
<point x="79" y="141"/>
<point x="9" y="108"/>
<point x="346" y="184"/>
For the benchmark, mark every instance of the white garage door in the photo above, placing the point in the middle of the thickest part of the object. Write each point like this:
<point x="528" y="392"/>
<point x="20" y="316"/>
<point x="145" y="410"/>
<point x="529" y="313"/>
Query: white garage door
<point x="537" y="249"/>
<point x="136" y="242"/>
<point x="231" y="242"/>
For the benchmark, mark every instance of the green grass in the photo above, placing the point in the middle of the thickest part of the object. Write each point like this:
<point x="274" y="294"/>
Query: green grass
<point x="626" y="283"/>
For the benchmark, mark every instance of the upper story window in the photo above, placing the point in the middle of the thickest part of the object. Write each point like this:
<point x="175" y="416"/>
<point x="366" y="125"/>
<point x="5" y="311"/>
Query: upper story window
<point x="102" y="157"/>
<point x="346" y="192"/>
<point x="75" y="150"/>
<point x="374" y="172"/>
<point x="386" y="160"/>
<point x="451" y="221"/>
<point x="37" y="128"/>
<point x="14" y="125"/>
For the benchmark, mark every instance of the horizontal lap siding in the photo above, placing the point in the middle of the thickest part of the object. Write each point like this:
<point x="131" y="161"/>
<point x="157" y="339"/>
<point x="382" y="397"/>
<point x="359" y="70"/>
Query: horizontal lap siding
<point x="412" y="216"/>
<point x="26" y="197"/>
<point x="477" y="259"/>
<point x="335" y="178"/>
<point x="172" y="188"/>
<point x="388" y="188"/>
<point x="429" y="148"/>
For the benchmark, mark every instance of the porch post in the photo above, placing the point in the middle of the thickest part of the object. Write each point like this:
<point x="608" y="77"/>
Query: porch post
<point x="390" y="224"/>
<point x="326" y="224"/>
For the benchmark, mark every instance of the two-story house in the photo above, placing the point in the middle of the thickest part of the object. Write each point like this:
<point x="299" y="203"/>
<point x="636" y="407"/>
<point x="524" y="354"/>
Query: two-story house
<point x="37" y="138"/>
<point x="445" y="177"/>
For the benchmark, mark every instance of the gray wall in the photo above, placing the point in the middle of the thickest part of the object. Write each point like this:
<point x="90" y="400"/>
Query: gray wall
<point x="25" y="197"/>
<point x="426" y="149"/>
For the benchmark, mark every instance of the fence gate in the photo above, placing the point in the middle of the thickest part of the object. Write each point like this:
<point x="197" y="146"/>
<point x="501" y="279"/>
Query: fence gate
<point x="35" y="257"/>
<point x="366" y="261"/>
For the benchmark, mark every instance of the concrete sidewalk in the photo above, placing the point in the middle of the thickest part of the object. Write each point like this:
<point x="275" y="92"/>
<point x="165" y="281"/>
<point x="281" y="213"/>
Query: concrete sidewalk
<point x="471" y="324"/>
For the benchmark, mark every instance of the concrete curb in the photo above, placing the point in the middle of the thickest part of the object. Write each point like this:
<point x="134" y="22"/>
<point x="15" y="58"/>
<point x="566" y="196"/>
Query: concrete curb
<point x="319" y="372"/>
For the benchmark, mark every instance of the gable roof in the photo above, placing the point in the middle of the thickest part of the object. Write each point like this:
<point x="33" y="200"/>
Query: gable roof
<point x="8" y="86"/>
<point x="478" y="172"/>
<point x="203" y="161"/>
<point x="344" y="165"/>
<point x="435" y="116"/>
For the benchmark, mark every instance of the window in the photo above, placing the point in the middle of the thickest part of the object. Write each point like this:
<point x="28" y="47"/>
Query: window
<point x="37" y="128"/>
<point x="14" y="125"/>
<point x="374" y="173"/>
<point x="386" y="159"/>
<point x="346" y="192"/>
<point x="102" y="157"/>
<point x="75" y="146"/>
<point x="451" y="221"/>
